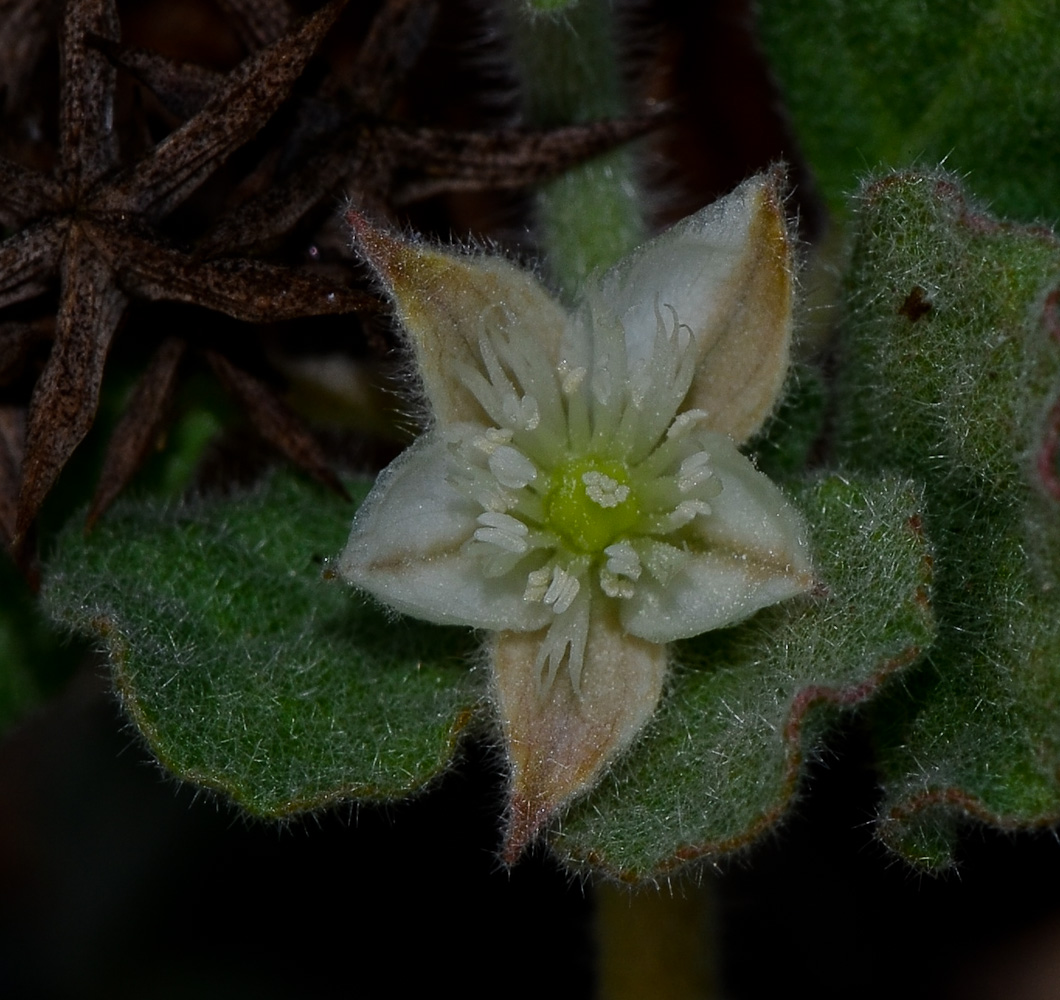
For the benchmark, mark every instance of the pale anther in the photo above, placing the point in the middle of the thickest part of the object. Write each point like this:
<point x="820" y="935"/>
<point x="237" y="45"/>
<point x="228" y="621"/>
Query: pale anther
<point x="524" y="413"/>
<point x="562" y="591"/>
<point x="684" y="422"/>
<point x="622" y="559"/>
<point x="663" y="560"/>
<point x="602" y="382"/>
<point x="603" y="490"/>
<point x="492" y="498"/>
<point x="570" y="378"/>
<point x="686" y="511"/>
<point x="511" y="467"/>
<point x="503" y="531"/>
<point x="694" y="470"/>
<point x="537" y="584"/>
<point x="493" y="438"/>
<point x="640" y="383"/>
<point x="615" y="586"/>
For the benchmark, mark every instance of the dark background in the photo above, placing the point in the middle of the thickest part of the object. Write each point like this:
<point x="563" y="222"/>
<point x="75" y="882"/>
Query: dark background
<point x="115" y="882"/>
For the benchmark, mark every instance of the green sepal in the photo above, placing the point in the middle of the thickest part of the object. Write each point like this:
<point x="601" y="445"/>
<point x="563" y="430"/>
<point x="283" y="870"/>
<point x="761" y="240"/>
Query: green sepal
<point x="745" y="707"/>
<point x="244" y="668"/>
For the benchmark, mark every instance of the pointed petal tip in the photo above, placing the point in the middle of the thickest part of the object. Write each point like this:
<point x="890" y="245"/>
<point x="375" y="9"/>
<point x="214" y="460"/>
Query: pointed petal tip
<point x="561" y="742"/>
<point x="411" y="272"/>
<point x="526" y="819"/>
<point x="373" y="244"/>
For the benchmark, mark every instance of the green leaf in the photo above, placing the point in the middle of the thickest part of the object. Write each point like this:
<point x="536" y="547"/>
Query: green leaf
<point x="952" y="375"/>
<point x="721" y="761"/>
<point x="893" y="83"/>
<point x="244" y="668"/>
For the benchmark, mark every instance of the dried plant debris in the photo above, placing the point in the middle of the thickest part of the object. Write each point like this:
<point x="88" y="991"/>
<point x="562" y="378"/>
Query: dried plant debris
<point x="113" y="211"/>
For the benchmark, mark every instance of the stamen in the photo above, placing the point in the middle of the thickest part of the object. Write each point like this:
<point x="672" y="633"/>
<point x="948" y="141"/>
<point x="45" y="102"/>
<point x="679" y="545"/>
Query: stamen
<point x="603" y="490"/>
<point x="663" y="561"/>
<point x="491" y="497"/>
<point x="522" y="413"/>
<point x="602" y="382"/>
<point x="511" y="467"/>
<point x="694" y="470"/>
<point x="622" y="560"/>
<point x="684" y="422"/>
<point x="639" y="383"/>
<point x="570" y="378"/>
<point x="537" y="584"/>
<point x="615" y="586"/>
<point x="493" y="438"/>
<point x="562" y="591"/>
<point x="503" y="531"/>
<point x="686" y="511"/>
<point x="494" y="369"/>
<point x="565" y="640"/>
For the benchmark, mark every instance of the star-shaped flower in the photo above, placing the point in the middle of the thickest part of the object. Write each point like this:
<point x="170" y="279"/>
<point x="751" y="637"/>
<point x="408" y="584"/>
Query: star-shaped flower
<point x="580" y="494"/>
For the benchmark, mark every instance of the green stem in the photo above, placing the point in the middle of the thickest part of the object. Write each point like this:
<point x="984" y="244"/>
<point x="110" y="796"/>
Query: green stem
<point x="568" y="64"/>
<point x="650" y="943"/>
<point x="656" y="942"/>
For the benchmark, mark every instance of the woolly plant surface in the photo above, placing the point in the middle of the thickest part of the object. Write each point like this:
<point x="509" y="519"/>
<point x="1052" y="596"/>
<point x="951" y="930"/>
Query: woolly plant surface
<point x="246" y="670"/>
<point x="745" y="706"/>
<point x="951" y="364"/>
<point x="891" y="83"/>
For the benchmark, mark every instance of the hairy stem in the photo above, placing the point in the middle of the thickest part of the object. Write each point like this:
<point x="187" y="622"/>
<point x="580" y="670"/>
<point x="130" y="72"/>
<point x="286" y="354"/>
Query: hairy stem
<point x="569" y="69"/>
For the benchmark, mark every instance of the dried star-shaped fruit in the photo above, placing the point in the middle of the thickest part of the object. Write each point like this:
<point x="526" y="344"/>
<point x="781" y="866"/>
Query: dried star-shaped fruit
<point x="95" y="225"/>
<point x="580" y="494"/>
<point x="92" y="225"/>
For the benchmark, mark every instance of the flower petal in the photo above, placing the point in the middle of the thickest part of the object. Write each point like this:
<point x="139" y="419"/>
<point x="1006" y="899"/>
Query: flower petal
<point x="751" y="551"/>
<point x="560" y="742"/>
<point x="448" y="302"/>
<point x="406" y="548"/>
<point x="727" y="274"/>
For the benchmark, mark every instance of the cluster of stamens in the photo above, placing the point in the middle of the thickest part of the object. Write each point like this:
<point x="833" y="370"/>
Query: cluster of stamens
<point x="587" y="477"/>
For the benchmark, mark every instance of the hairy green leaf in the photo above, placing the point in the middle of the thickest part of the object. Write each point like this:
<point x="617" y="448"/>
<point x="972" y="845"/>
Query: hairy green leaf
<point x="952" y="375"/>
<point x="249" y="672"/>
<point x="721" y="761"/>
<point x="893" y="83"/>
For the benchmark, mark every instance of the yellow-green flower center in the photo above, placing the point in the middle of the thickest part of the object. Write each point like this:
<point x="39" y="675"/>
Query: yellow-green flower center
<point x="590" y="503"/>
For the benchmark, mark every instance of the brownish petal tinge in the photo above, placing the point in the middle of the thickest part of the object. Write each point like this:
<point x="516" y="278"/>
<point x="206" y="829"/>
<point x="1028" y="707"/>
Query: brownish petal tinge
<point x="727" y="273"/>
<point x="560" y="741"/>
<point x="741" y="376"/>
<point x="447" y="303"/>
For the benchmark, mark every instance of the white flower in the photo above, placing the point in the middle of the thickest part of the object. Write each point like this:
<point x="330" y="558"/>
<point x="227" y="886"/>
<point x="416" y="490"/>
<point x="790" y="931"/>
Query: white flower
<point x="580" y="493"/>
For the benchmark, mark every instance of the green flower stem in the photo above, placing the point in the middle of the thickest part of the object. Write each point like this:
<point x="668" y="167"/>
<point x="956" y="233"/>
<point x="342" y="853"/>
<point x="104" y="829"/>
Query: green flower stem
<point x="650" y="942"/>
<point x="568" y="65"/>
<point x="656" y="943"/>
